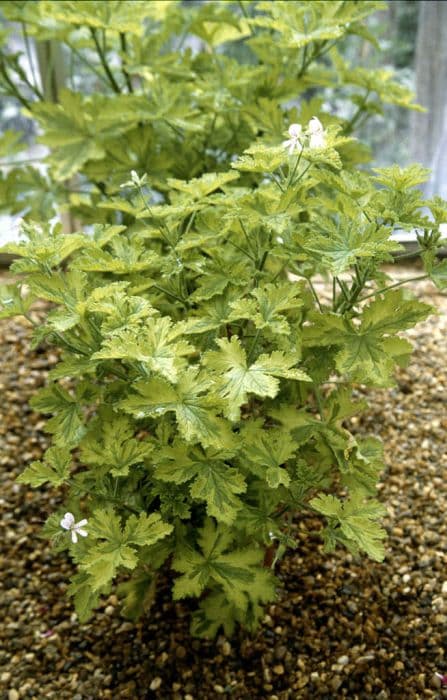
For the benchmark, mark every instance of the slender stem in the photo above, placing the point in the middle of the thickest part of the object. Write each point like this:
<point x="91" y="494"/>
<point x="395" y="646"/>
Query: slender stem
<point x="254" y="344"/>
<point x="314" y="293"/>
<point x="343" y="289"/>
<point x="89" y="65"/>
<point x="83" y="489"/>
<point x="319" y="402"/>
<point x="170" y="294"/>
<point x="243" y="10"/>
<point x="13" y="88"/>
<point x="277" y="183"/>
<point x="325" y="47"/>
<point x="105" y="65"/>
<point x="354" y="119"/>
<point x="123" y="43"/>
<point x="28" y="318"/>
<point x="29" y="55"/>
<point x="246" y="235"/>
<point x="291" y="176"/>
<point x="414" y="254"/>
<point x="245" y="252"/>
<point x="263" y="259"/>
<point x="393" y="286"/>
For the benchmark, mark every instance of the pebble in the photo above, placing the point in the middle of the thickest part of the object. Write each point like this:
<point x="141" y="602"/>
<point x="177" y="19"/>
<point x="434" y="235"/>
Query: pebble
<point x="343" y="660"/>
<point x="156" y="683"/>
<point x="13" y="694"/>
<point x="278" y="669"/>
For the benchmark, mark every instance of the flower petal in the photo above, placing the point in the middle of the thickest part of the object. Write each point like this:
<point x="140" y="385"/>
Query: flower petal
<point x="295" y="130"/>
<point x="81" y="532"/>
<point x="74" y="537"/>
<point x="317" y="140"/>
<point x="67" y="521"/>
<point x="315" y="126"/>
<point x="81" y="523"/>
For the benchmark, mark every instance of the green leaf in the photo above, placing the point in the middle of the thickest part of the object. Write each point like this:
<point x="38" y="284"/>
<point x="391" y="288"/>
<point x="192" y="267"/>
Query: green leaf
<point x="402" y="179"/>
<point x="45" y="248"/>
<point x="439" y="274"/>
<point x="212" y="481"/>
<point x="85" y="598"/>
<point x="145" y="529"/>
<point x="115" y="16"/>
<point x="188" y="399"/>
<point x="260" y="159"/>
<point x="236" y="379"/>
<point x="112" y="446"/>
<point x="12" y="303"/>
<point x="117" y="546"/>
<point x="201" y="187"/>
<point x="268" y="309"/>
<point x="156" y="345"/>
<point x="265" y="453"/>
<point x="137" y="594"/>
<point x="235" y="571"/>
<point x="342" y="247"/>
<point x="354" y="518"/>
<point x="367" y="353"/>
<point x="363" y="468"/>
<point x="67" y="423"/>
<point x="55" y="468"/>
<point x="104" y="560"/>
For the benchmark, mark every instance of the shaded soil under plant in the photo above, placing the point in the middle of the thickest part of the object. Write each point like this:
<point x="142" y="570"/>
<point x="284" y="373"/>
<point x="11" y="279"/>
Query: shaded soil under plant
<point x="341" y="628"/>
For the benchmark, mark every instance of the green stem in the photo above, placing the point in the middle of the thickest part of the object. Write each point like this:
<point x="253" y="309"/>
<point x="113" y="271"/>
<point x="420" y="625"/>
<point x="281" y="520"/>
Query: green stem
<point x="14" y="91"/>
<point x="30" y="61"/>
<point x="263" y="260"/>
<point x="404" y="256"/>
<point x="123" y="44"/>
<point x="292" y="175"/>
<point x="245" y="252"/>
<point x="254" y="344"/>
<point x="356" y="116"/>
<point x="105" y="65"/>
<point x="107" y="498"/>
<point x="393" y="286"/>
<point x="243" y="10"/>
<point x="170" y="294"/>
<point x="314" y="293"/>
<point x="246" y="235"/>
<point x="89" y="65"/>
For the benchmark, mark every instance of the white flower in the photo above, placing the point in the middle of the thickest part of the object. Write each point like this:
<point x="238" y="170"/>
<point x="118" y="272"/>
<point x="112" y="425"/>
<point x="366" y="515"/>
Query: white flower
<point x="135" y="180"/>
<point x="68" y="523"/>
<point x="294" y="144"/>
<point x="316" y="131"/>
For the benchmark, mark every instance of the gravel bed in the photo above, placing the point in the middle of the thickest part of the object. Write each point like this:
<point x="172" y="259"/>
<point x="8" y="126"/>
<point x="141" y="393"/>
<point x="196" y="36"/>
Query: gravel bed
<point x="342" y="627"/>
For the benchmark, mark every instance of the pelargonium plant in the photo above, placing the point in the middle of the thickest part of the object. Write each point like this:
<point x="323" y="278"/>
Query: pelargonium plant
<point x="205" y="382"/>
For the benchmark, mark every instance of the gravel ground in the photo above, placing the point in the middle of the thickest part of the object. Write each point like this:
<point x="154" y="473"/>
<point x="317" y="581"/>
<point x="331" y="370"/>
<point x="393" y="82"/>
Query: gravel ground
<point x="342" y="627"/>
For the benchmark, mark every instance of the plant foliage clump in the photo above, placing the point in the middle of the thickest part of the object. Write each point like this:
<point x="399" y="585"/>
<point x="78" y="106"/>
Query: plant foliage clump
<point x="204" y="381"/>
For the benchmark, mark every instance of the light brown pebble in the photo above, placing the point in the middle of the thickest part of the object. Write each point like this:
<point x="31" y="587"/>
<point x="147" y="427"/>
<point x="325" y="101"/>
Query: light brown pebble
<point x="156" y="683"/>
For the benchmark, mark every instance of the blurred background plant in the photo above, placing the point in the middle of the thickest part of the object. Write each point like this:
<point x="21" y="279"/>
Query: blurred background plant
<point x="65" y="144"/>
